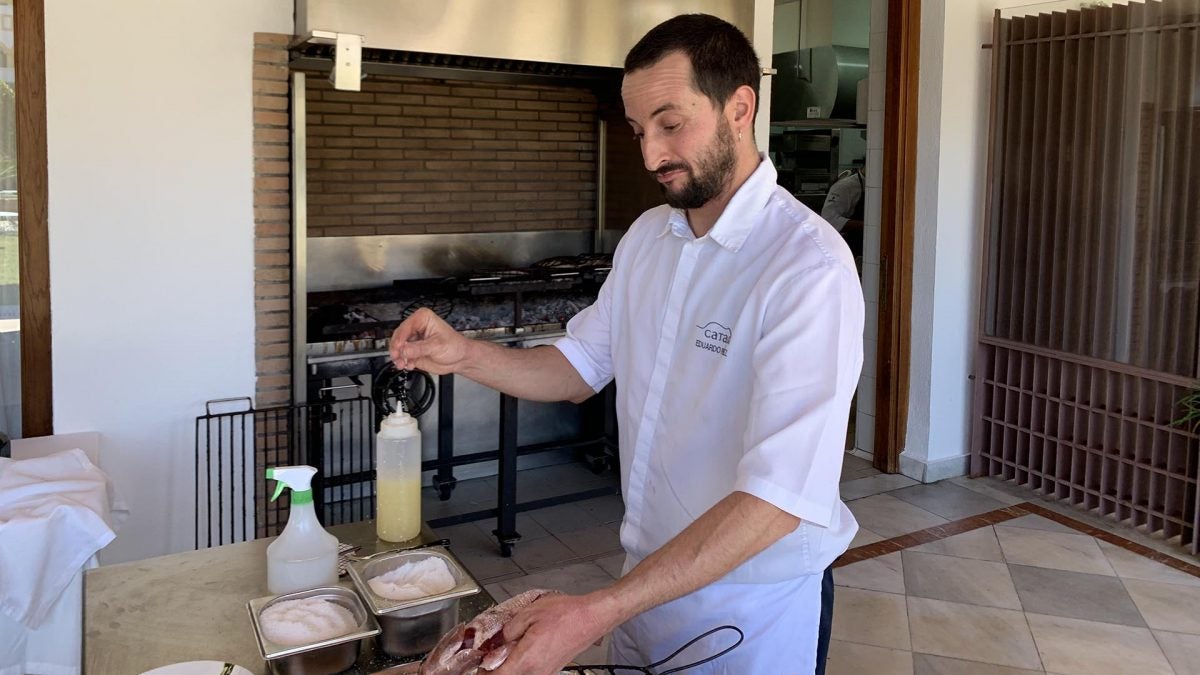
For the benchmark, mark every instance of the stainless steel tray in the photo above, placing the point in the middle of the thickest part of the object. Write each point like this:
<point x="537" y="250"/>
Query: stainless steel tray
<point x="362" y="570"/>
<point x="367" y="626"/>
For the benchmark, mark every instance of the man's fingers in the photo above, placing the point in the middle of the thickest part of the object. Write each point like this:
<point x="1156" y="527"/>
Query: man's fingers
<point x="516" y="626"/>
<point x="515" y="663"/>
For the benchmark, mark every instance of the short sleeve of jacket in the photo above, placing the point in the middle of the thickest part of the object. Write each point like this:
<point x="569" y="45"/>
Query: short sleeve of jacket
<point x="587" y="344"/>
<point x="806" y="365"/>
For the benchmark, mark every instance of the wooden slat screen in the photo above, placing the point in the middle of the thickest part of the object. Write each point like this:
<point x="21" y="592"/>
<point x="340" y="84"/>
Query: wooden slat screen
<point x="1090" y="331"/>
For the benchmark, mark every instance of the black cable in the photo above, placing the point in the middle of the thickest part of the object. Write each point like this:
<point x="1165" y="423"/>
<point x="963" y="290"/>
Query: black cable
<point x="613" y="668"/>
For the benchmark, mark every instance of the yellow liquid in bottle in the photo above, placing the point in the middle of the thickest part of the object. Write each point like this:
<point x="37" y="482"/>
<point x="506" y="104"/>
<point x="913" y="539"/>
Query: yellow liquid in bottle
<point x="398" y="508"/>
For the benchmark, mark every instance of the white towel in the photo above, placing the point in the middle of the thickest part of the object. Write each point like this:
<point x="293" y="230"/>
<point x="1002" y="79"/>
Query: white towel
<point x="56" y="512"/>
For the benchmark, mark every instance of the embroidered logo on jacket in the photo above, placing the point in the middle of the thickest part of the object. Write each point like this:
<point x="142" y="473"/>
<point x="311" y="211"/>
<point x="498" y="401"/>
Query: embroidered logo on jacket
<point x="713" y="337"/>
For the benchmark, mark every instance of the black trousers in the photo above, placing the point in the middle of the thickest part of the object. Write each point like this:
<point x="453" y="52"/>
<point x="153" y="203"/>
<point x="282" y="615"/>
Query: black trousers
<point x="825" y="628"/>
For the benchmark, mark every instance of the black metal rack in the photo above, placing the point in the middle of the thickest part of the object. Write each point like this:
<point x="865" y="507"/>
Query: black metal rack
<point x="337" y="437"/>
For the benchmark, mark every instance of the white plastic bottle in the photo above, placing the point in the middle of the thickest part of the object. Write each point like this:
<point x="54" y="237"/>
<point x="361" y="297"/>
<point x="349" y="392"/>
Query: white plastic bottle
<point x="304" y="555"/>
<point x="398" y="478"/>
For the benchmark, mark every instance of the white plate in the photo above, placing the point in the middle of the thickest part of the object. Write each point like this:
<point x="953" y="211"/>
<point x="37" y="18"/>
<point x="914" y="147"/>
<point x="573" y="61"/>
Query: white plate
<point x="197" y="668"/>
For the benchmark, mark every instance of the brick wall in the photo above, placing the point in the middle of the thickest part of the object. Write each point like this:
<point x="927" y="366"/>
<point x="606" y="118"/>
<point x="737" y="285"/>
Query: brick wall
<point x="413" y="156"/>
<point x="272" y="221"/>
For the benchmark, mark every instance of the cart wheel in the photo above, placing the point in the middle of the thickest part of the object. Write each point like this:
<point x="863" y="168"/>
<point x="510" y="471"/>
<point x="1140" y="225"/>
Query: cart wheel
<point x="444" y="491"/>
<point x="506" y="550"/>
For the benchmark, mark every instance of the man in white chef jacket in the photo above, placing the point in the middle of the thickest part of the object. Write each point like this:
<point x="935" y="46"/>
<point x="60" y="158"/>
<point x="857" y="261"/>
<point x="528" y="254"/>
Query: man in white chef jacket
<point x="732" y="323"/>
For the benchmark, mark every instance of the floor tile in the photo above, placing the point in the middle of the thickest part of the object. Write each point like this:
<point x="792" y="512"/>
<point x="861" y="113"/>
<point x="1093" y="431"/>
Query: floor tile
<point x="978" y="544"/>
<point x="864" y="537"/>
<point x="854" y="463"/>
<point x="607" y="509"/>
<point x="564" y="518"/>
<point x="849" y="658"/>
<point x="575" y="579"/>
<point x="487" y="566"/>
<point x="465" y="536"/>
<point x="496" y="590"/>
<point x="527" y="527"/>
<point x="884" y="573"/>
<point x="1095" y="597"/>
<point x="890" y="517"/>
<point x="873" y="485"/>
<point x="1070" y="646"/>
<point x="947" y="500"/>
<point x="870" y="617"/>
<point x="1130" y="565"/>
<point x="928" y="664"/>
<point x="988" y="488"/>
<point x="1056" y="550"/>
<point x="591" y="541"/>
<point x="974" y="582"/>
<point x="1183" y="651"/>
<point x="1167" y="606"/>
<point x="612" y="564"/>
<point x="538" y="554"/>
<point x="987" y="634"/>
<point x="1036" y="522"/>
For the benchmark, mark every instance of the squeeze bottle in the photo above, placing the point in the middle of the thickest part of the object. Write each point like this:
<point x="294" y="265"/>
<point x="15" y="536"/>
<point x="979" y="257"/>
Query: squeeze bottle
<point x="304" y="555"/>
<point x="398" y="478"/>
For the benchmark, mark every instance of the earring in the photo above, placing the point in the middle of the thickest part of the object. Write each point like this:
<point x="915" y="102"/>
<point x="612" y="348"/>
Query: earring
<point x="739" y="135"/>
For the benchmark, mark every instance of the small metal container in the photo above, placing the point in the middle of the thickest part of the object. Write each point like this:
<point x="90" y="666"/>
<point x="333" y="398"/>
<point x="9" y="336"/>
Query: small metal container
<point x="412" y="627"/>
<point x="319" y="658"/>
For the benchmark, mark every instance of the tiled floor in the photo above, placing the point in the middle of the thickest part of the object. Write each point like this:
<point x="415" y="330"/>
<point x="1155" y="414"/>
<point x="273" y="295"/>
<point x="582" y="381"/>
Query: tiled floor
<point x="962" y="576"/>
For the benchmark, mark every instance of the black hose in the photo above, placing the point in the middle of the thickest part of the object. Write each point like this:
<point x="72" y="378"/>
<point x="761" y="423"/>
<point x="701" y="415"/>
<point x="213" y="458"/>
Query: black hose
<point x="391" y="383"/>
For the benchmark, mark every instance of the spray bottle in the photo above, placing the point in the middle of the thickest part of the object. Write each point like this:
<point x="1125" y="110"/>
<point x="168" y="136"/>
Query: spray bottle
<point x="398" y="478"/>
<point x="305" y="555"/>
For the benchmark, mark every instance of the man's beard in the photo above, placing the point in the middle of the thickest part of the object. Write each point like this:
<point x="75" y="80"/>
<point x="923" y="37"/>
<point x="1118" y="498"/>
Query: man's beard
<point x="716" y="170"/>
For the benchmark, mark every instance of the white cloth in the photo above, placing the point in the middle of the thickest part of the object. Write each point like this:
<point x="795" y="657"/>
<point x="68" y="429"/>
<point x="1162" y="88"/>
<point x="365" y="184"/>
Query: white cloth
<point x="736" y="356"/>
<point x="55" y="647"/>
<point x="56" y="512"/>
<point x="766" y="613"/>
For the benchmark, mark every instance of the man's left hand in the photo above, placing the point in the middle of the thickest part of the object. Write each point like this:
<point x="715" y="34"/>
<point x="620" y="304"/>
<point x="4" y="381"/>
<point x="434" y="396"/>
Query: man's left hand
<point x="553" y="630"/>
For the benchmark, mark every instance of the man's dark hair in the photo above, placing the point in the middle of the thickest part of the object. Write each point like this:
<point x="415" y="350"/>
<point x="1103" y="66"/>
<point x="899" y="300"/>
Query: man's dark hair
<point x="721" y="55"/>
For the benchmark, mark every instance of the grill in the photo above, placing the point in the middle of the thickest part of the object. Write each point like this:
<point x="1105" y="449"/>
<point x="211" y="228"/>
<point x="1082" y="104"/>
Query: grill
<point x="348" y="333"/>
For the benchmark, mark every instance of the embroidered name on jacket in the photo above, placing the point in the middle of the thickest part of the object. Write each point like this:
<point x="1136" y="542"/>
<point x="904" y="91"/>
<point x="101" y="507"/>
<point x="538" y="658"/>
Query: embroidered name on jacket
<point x="713" y="337"/>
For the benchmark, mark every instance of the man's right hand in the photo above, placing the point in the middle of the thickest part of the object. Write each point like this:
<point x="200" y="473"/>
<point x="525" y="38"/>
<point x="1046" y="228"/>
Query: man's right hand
<point x="425" y="342"/>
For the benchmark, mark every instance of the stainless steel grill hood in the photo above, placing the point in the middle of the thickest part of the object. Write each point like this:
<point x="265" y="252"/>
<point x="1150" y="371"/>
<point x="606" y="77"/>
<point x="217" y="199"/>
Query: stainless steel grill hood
<point x="594" y="33"/>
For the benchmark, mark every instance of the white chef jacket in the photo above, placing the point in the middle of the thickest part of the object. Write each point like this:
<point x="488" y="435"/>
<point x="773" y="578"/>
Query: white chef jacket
<point x="736" y="355"/>
<point x="842" y="201"/>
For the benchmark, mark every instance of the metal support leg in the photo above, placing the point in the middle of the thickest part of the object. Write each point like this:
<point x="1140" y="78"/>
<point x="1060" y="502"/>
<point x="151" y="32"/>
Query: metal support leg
<point x="506" y="519"/>
<point x="312" y="419"/>
<point x="444" y="480"/>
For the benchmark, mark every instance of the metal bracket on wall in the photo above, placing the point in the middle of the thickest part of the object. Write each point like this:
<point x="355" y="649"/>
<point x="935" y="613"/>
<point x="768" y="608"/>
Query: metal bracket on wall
<point x="346" y="73"/>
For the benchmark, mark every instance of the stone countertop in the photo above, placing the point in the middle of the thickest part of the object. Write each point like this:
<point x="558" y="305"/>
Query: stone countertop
<point x="192" y="607"/>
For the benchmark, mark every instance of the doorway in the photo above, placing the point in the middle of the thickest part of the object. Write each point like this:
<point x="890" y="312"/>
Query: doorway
<point x="843" y="138"/>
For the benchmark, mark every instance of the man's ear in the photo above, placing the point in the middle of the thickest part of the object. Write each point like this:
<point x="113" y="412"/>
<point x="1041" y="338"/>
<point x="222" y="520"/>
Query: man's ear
<point x="741" y="108"/>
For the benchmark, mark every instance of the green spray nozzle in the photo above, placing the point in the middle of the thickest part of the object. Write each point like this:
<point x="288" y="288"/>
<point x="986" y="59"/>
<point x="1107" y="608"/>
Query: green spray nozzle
<point x="298" y="479"/>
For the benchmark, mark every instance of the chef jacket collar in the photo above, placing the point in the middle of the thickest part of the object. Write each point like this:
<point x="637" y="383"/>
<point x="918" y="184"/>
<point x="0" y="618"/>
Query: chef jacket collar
<point x="735" y="223"/>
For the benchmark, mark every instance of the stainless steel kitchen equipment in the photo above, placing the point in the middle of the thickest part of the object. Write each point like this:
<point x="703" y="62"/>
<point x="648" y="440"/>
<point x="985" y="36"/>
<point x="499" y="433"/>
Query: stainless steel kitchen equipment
<point x="576" y="32"/>
<point x="412" y="627"/>
<point x="317" y="658"/>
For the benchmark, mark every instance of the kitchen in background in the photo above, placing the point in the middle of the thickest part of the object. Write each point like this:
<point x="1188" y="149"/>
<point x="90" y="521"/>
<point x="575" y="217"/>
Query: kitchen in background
<point x="822" y="97"/>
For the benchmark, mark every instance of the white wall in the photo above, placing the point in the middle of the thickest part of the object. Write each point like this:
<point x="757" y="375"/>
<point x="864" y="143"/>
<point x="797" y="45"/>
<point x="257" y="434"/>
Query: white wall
<point x="151" y="236"/>
<point x="951" y="168"/>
